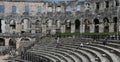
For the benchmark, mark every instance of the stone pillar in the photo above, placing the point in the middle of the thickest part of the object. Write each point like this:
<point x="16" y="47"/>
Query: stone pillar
<point x="62" y="28"/>
<point x="101" y="28"/>
<point x="7" y="28"/>
<point x="72" y="28"/>
<point x="53" y="30"/>
<point x="18" y="43"/>
<point x="83" y="28"/>
<point x="44" y="29"/>
<point x="111" y="27"/>
<point x="33" y="29"/>
<point x="7" y="41"/>
<point x="119" y="27"/>
<point x="92" y="28"/>
<point x="18" y="27"/>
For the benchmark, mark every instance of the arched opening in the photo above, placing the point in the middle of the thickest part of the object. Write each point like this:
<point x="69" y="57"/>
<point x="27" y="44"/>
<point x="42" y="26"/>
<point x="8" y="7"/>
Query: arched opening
<point x="13" y="24"/>
<point x="25" y="24"/>
<point x="57" y="22"/>
<point x="2" y="42"/>
<point x="49" y="26"/>
<point x="12" y="43"/>
<point x="68" y="26"/>
<point x="106" y="24"/>
<point x="86" y="23"/>
<point x="37" y="23"/>
<point x="96" y="22"/>
<point x="115" y="24"/>
<point x="77" y="25"/>
<point x="25" y="39"/>
<point x="23" y="42"/>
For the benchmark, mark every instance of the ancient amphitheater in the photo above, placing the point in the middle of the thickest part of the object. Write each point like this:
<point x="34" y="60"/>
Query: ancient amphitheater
<point x="59" y="31"/>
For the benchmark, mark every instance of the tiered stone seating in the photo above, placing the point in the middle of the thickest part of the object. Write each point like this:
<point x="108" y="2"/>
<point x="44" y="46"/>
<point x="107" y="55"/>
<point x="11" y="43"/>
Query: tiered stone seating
<point x="70" y="51"/>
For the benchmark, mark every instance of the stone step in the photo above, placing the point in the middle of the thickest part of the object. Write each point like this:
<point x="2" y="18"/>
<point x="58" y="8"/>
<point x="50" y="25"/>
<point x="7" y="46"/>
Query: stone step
<point x="84" y="57"/>
<point x="114" y="57"/>
<point x="52" y="58"/>
<point x="110" y="48"/>
<point x="68" y="58"/>
<point x="76" y="59"/>
<point x="59" y="58"/>
<point x="98" y="53"/>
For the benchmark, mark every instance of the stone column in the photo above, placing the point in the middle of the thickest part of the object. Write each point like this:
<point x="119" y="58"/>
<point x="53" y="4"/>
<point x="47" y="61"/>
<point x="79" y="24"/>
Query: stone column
<point x="72" y="28"/>
<point x="44" y="29"/>
<point x="53" y="30"/>
<point x="101" y="28"/>
<point x="119" y="27"/>
<point x="62" y="28"/>
<point x="18" y="27"/>
<point x="111" y="27"/>
<point x="18" y="43"/>
<point x="33" y="29"/>
<point x="83" y="28"/>
<point x="7" y="41"/>
<point x="92" y="28"/>
<point x="7" y="28"/>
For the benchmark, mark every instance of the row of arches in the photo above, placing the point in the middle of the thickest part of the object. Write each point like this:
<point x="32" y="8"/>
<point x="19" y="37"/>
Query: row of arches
<point x="12" y="42"/>
<point x="87" y="23"/>
<point x="25" y="23"/>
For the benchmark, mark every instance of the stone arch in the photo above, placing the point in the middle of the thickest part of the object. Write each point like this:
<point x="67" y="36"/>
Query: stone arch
<point x="57" y="22"/>
<point x="13" y="23"/>
<point x="49" y="25"/>
<point x="2" y="42"/>
<point x="25" y="24"/>
<point x="96" y="24"/>
<point x="115" y="20"/>
<point x="106" y="24"/>
<point x="12" y="43"/>
<point x="25" y="38"/>
<point x="37" y="22"/>
<point x="68" y="25"/>
<point x="38" y="25"/>
<point x="48" y="22"/>
<point x="86" y="23"/>
<point x="77" y="25"/>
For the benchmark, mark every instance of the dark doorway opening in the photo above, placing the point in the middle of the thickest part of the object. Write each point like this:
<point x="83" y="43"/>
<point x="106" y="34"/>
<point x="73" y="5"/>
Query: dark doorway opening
<point x="106" y="24"/>
<point x="2" y="42"/>
<point x="12" y="43"/>
<point x="86" y="23"/>
<point x="68" y="26"/>
<point x="96" y="22"/>
<point x="77" y="25"/>
<point x="115" y="24"/>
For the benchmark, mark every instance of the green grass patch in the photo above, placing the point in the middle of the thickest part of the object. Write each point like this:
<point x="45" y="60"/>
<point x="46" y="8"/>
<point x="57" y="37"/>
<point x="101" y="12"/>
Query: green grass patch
<point x="78" y="33"/>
